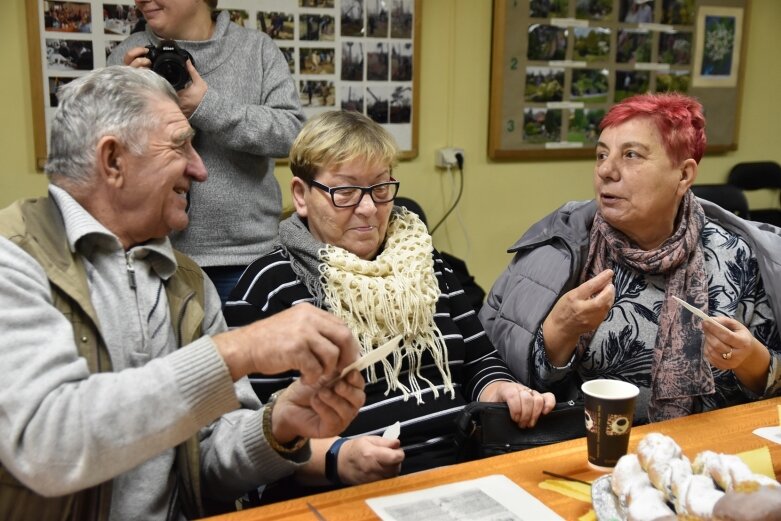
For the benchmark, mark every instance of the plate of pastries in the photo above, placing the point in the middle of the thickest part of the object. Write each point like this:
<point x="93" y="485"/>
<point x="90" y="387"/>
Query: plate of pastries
<point x="659" y="483"/>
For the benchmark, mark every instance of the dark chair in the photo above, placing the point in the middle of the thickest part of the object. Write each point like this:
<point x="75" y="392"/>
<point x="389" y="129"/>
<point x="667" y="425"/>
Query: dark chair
<point x="412" y="206"/>
<point x="757" y="175"/>
<point x="729" y="197"/>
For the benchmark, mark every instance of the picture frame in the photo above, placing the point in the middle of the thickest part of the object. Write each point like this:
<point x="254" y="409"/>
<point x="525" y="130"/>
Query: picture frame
<point x="557" y="66"/>
<point x="359" y="55"/>
<point x="719" y="35"/>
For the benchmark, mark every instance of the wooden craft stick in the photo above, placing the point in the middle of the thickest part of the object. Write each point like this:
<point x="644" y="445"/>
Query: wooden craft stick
<point x="368" y="359"/>
<point x="373" y="356"/>
<point x="700" y="313"/>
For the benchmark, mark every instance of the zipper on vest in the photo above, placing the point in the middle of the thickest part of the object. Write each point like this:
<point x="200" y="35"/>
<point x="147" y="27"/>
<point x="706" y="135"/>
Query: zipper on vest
<point x="131" y="271"/>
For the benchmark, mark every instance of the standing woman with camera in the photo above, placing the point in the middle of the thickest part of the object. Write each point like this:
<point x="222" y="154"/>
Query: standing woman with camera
<point x="244" y="105"/>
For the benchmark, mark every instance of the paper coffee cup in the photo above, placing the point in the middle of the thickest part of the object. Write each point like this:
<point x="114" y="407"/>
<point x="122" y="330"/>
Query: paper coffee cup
<point x="609" y="410"/>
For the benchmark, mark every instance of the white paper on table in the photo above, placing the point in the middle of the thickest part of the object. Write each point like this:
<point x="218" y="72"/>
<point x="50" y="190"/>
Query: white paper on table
<point x="490" y="498"/>
<point x="769" y="433"/>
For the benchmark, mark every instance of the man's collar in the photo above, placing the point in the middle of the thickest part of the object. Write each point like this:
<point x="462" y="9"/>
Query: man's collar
<point x="85" y="233"/>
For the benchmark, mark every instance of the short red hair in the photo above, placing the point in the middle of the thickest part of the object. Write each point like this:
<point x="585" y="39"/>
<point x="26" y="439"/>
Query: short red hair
<point x="678" y="118"/>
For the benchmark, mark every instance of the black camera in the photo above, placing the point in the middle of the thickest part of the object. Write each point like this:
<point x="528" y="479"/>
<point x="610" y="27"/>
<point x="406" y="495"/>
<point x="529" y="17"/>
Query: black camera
<point x="170" y="62"/>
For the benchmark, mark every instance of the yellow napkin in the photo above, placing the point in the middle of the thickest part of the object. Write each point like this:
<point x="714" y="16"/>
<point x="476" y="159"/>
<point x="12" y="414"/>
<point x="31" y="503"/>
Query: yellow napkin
<point x="759" y="461"/>
<point x="571" y="489"/>
<point x="574" y="490"/>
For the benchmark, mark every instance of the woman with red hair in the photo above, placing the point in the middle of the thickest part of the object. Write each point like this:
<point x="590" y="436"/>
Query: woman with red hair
<point x="589" y="291"/>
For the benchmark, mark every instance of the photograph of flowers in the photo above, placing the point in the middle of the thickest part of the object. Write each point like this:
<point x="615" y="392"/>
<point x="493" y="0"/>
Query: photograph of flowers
<point x="719" y="31"/>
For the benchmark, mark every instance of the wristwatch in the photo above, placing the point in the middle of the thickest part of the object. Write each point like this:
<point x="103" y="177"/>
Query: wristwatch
<point x="283" y="448"/>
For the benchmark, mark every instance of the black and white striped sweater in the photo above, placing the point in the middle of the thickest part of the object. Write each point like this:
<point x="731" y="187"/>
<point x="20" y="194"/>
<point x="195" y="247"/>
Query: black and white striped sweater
<point x="269" y="286"/>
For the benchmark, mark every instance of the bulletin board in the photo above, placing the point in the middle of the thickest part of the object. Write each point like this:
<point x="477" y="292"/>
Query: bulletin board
<point x="360" y="55"/>
<point x="558" y="65"/>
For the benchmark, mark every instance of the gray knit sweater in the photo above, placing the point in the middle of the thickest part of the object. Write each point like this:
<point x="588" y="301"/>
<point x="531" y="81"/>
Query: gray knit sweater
<point x="63" y="429"/>
<point x="250" y="114"/>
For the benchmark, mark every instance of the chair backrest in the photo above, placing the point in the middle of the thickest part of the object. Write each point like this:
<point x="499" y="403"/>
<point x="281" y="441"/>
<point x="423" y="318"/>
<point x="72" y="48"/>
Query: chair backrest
<point x="754" y="175"/>
<point x="412" y="206"/>
<point x="729" y="197"/>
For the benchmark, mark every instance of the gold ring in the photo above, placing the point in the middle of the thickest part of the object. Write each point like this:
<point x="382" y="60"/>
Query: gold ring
<point x="727" y="356"/>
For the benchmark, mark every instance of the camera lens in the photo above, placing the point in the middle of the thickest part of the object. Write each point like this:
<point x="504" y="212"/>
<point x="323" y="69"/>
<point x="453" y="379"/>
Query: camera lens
<point x="173" y="70"/>
<point x="170" y="62"/>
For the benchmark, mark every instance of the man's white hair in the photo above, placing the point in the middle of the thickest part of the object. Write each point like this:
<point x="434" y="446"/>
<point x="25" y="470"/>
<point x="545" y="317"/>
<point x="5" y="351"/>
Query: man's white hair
<point x="109" y="101"/>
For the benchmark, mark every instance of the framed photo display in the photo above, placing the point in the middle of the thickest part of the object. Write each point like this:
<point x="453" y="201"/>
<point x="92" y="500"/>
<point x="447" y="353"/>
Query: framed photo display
<point x="360" y="55"/>
<point x="558" y="65"/>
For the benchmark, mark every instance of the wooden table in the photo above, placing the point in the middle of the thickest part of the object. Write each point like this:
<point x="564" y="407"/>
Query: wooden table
<point x="727" y="430"/>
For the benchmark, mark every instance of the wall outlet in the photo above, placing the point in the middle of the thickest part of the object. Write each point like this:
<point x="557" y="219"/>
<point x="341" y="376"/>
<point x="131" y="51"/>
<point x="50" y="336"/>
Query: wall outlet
<point x="446" y="157"/>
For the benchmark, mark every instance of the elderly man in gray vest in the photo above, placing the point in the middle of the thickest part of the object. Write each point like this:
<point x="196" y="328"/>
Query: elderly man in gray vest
<point x="122" y="393"/>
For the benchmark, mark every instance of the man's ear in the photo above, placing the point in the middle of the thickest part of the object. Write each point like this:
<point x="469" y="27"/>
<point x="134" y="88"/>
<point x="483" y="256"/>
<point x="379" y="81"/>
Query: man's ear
<point x="298" y="189"/>
<point x="111" y="161"/>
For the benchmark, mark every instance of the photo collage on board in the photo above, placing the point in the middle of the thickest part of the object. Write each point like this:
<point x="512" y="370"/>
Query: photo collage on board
<point x="343" y="54"/>
<point x="584" y="55"/>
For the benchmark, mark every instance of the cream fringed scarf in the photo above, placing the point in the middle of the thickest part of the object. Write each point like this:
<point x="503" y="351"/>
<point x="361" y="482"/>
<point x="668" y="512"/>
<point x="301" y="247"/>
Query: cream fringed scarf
<point x="396" y="293"/>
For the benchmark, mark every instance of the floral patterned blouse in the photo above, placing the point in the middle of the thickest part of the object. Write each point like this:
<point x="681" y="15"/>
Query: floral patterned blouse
<point x="622" y="347"/>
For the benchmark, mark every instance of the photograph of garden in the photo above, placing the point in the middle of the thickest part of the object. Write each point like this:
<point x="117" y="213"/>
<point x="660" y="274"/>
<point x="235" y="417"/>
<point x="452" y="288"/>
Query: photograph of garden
<point x="678" y="12"/>
<point x="541" y="125"/>
<point x="629" y="83"/>
<point x="674" y="81"/>
<point x="675" y="48"/>
<point x="592" y="44"/>
<point x="548" y="8"/>
<point x="544" y="84"/>
<point x="547" y="42"/>
<point x="584" y="125"/>
<point x="590" y="85"/>
<point x="593" y="9"/>
<point x="633" y="46"/>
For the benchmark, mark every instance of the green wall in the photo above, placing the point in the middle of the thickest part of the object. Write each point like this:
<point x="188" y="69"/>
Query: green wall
<point x="501" y="200"/>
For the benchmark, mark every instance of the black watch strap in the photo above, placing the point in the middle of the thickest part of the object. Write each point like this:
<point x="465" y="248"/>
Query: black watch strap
<point x="331" y="462"/>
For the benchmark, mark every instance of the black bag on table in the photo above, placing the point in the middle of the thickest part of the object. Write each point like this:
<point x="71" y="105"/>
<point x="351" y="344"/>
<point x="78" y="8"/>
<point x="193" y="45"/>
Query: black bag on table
<point x="486" y="429"/>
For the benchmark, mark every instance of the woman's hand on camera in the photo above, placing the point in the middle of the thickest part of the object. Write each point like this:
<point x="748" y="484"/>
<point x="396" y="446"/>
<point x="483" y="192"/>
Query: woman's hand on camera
<point x="190" y="96"/>
<point x="136" y="57"/>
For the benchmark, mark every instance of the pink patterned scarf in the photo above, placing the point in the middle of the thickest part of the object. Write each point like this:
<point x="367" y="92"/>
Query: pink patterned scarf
<point x="679" y="371"/>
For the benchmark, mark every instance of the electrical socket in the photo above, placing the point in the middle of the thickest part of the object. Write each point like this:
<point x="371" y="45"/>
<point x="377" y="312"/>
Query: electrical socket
<point x="446" y="157"/>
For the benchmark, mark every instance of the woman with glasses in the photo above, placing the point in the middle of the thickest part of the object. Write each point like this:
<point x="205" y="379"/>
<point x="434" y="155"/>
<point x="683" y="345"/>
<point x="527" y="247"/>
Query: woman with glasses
<point x="349" y="250"/>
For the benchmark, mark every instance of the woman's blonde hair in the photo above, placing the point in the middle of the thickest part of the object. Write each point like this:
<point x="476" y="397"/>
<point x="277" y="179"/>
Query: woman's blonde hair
<point x="334" y="138"/>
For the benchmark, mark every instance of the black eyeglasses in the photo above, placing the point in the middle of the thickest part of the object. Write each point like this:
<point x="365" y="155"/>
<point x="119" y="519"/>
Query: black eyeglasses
<point x="349" y="196"/>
